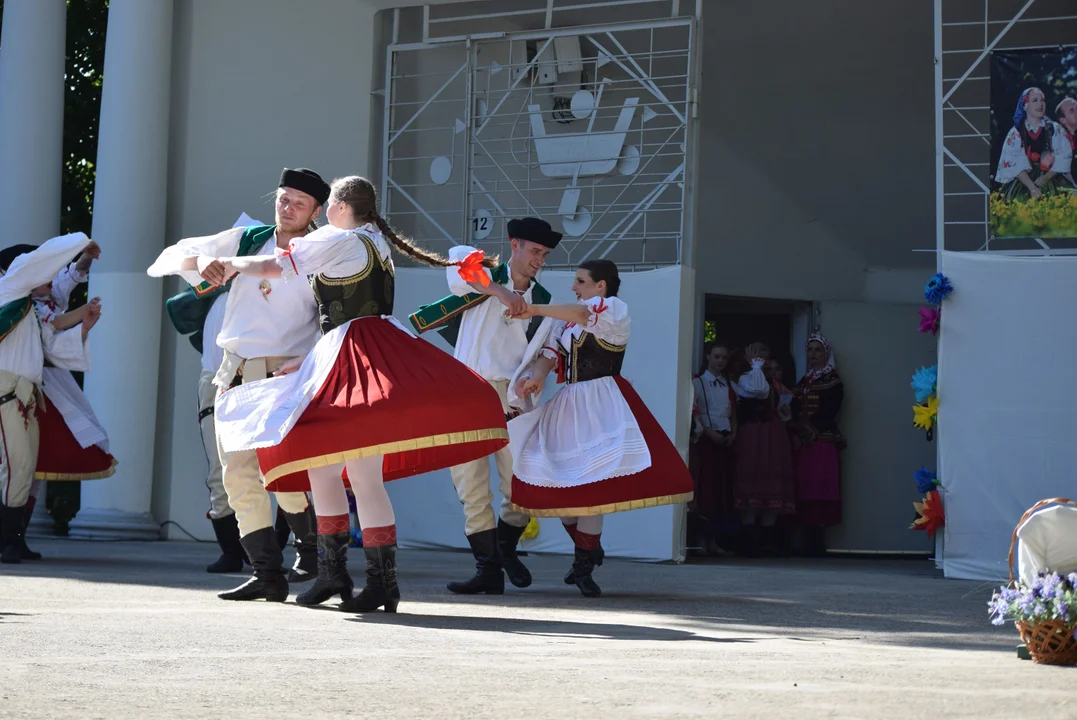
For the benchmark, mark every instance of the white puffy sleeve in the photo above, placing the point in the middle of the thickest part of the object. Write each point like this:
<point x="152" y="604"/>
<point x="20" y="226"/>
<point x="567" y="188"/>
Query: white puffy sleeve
<point x="1013" y="161"/>
<point x="1062" y="150"/>
<point x="753" y="384"/>
<point x="323" y="250"/>
<point x="64" y="284"/>
<point x="223" y="244"/>
<point x="39" y="266"/>
<point x="549" y="350"/>
<point x="609" y="320"/>
<point x="66" y="350"/>
<point x="457" y="285"/>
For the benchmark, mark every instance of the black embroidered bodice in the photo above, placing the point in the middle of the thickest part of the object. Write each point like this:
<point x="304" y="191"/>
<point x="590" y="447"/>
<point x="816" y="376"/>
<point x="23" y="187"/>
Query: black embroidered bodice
<point x="370" y="292"/>
<point x="591" y="358"/>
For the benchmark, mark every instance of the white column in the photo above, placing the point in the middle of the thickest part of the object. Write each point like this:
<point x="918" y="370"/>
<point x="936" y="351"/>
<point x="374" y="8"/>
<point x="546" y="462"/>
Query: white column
<point x="129" y="223"/>
<point x="32" y="132"/>
<point x="31" y="119"/>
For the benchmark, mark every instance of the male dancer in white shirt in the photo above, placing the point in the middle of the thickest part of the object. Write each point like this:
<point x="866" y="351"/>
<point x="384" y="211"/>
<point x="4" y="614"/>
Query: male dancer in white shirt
<point x="25" y="344"/>
<point x="266" y="323"/>
<point x="491" y="343"/>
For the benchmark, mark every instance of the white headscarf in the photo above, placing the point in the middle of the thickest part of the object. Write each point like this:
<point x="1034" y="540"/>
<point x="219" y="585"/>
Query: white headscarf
<point x="813" y="374"/>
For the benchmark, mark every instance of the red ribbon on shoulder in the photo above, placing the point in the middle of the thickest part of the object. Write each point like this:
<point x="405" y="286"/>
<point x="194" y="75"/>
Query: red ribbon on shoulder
<point x="471" y="269"/>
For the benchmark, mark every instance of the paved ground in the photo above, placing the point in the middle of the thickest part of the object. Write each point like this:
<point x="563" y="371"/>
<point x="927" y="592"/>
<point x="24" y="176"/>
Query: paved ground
<point x="133" y="630"/>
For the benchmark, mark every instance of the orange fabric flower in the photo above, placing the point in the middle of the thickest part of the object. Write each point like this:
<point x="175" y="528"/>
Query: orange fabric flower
<point x="931" y="514"/>
<point x="471" y="269"/>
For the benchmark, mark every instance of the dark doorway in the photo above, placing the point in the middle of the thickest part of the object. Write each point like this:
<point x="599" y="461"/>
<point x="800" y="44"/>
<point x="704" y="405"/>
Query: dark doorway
<point x="782" y="325"/>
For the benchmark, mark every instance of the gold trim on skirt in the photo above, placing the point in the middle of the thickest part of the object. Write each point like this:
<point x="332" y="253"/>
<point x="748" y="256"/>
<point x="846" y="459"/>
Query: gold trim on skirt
<point x="608" y="508"/>
<point x="72" y="477"/>
<point x="442" y="440"/>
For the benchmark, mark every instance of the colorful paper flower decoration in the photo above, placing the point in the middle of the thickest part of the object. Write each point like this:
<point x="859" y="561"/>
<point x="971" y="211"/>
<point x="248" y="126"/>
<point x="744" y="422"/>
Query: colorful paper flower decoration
<point x="925" y="382"/>
<point x="926" y="480"/>
<point x="931" y="515"/>
<point x="924" y="415"/>
<point x="938" y="288"/>
<point x="929" y="320"/>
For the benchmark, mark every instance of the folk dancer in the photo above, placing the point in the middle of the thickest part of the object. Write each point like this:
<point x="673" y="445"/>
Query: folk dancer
<point x="593" y="448"/>
<point x="266" y="324"/>
<point x="25" y="345"/>
<point x="370" y="394"/>
<point x="491" y="342"/>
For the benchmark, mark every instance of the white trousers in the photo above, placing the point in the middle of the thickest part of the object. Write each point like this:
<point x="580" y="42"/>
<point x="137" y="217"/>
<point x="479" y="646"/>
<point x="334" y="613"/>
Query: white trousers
<point x="19" y="437"/>
<point x="472" y="483"/>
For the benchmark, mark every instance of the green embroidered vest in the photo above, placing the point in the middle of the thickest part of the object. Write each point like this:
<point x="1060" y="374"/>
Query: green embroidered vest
<point x="446" y="314"/>
<point x="188" y="309"/>
<point x="367" y="293"/>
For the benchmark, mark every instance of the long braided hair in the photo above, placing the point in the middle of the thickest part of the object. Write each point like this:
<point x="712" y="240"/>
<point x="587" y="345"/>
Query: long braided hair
<point x="359" y="194"/>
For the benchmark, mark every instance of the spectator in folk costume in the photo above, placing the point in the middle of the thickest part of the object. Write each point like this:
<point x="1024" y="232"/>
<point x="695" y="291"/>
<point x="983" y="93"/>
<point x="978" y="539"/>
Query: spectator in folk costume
<point x="26" y="344"/>
<point x="593" y="448"/>
<point x="266" y="323"/>
<point x="818" y="441"/>
<point x="370" y="394"/>
<point x="712" y="455"/>
<point x="491" y="341"/>
<point x="763" y="486"/>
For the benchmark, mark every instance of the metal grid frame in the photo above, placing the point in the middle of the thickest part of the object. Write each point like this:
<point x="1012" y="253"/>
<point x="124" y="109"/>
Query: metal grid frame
<point x="631" y="224"/>
<point x="964" y="42"/>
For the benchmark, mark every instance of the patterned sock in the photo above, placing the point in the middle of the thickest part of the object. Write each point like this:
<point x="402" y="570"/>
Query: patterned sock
<point x="333" y="524"/>
<point x="586" y="541"/>
<point x="378" y="536"/>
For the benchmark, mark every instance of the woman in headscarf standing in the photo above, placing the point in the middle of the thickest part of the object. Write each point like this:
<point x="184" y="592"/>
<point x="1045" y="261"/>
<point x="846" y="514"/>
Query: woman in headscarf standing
<point x="816" y="407"/>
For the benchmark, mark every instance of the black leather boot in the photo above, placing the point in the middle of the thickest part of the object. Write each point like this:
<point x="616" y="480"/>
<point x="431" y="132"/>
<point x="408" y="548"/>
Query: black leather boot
<point x="267" y="560"/>
<point x="582" y="569"/>
<point x="304" y="526"/>
<point x="11" y="532"/>
<point x="280" y="527"/>
<point x="27" y="553"/>
<point x="508" y="537"/>
<point x="333" y="578"/>
<point x="600" y="555"/>
<point x="381" y="590"/>
<point x="232" y="556"/>
<point x="489" y="578"/>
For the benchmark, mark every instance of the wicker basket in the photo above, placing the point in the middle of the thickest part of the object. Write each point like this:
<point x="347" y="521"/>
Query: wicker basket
<point x="1050" y="642"/>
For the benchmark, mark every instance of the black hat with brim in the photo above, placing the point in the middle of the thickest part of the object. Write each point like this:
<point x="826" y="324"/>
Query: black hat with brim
<point x="8" y="254"/>
<point x="534" y="230"/>
<point x="307" y="181"/>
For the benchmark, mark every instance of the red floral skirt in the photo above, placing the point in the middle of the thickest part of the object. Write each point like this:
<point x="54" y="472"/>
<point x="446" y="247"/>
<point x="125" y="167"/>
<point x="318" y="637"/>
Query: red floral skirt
<point x="60" y="457"/>
<point x="666" y="482"/>
<point x="389" y="394"/>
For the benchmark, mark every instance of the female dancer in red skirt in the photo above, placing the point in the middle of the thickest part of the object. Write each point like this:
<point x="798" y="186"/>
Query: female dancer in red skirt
<point x="370" y="397"/>
<point x="594" y="448"/>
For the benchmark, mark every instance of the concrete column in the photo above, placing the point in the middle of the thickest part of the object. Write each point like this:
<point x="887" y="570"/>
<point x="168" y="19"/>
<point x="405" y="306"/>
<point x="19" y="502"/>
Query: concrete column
<point x="32" y="131"/>
<point x="130" y="200"/>
<point x="31" y="118"/>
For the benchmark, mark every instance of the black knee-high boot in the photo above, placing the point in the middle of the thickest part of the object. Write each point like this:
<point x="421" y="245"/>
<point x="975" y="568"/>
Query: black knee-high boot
<point x="333" y="578"/>
<point x="381" y="590"/>
<point x="582" y="568"/>
<point x="489" y="575"/>
<point x="508" y="537"/>
<point x="304" y="527"/>
<point x="268" y="582"/>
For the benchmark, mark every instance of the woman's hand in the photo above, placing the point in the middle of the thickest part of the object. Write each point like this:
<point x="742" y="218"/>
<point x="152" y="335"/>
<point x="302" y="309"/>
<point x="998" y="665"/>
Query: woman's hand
<point x="527" y="313"/>
<point x="289" y="367"/>
<point x="509" y="299"/>
<point x="529" y="386"/>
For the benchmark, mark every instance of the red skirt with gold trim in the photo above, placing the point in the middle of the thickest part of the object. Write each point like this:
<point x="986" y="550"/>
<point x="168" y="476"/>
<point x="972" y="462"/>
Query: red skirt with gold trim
<point x="667" y="481"/>
<point x="60" y="457"/>
<point x="389" y="393"/>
